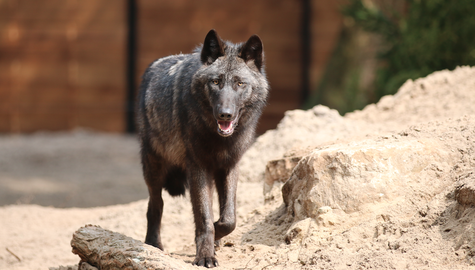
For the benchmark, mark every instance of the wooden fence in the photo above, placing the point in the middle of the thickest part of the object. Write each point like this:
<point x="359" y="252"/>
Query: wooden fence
<point x="63" y="62"/>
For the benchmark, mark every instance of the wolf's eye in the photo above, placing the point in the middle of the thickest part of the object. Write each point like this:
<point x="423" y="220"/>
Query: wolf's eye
<point x="240" y="83"/>
<point x="216" y="82"/>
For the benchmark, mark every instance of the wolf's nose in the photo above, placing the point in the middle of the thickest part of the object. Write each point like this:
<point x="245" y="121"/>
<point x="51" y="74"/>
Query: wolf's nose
<point x="225" y="114"/>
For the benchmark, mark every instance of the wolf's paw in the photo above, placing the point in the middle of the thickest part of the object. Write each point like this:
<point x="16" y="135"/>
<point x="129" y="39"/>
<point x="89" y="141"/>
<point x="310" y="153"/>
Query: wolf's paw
<point x="208" y="262"/>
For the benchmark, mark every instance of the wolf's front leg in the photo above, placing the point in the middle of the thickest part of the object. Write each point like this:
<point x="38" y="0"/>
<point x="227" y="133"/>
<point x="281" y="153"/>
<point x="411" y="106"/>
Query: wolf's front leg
<point x="226" y="185"/>
<point x="201" y="191"/>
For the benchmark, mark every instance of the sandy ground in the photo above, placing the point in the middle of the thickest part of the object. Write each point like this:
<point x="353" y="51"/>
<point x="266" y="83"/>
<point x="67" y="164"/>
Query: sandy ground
<point x="53" y="183"/>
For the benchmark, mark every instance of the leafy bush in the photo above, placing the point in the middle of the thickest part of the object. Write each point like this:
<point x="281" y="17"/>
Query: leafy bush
<point x="430" y="35"/>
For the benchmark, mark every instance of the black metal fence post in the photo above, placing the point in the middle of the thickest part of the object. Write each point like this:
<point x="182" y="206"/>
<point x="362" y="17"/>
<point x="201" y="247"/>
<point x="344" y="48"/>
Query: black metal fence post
<point x="131" y="64"/>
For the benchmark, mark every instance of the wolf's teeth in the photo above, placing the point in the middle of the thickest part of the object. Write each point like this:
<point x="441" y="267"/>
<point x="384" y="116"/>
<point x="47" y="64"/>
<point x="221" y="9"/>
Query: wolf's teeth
<point x="228" y="127"/>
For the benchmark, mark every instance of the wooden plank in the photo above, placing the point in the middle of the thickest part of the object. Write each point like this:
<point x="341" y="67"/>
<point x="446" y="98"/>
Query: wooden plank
<point x="107" y="52"/>
<point x="5" y="122"/>
<point x="62" y="33"/>
<point x="97" y="97"/>
<point x="92" y="75"/>
<point x="40" y="73"/>
<point x="38" y="99"/>
<point x="39" y="50"/>
<point x="5" y="87"/>
<point x="64" y="10"/>
<point x="60" y="49"/>
<point x="30" y="121"/>
<point x="110" y="120"/>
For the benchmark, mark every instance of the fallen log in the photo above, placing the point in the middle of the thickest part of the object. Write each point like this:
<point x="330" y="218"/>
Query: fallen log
<point x="103" y="249"/>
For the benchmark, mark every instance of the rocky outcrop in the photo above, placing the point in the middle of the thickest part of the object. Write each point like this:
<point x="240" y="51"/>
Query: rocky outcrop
<point x="417" y="163"/>
<point x="347" y="176"/>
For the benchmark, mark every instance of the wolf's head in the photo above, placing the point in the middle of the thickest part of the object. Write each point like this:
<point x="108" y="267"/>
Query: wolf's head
<point x="233" y="80"/>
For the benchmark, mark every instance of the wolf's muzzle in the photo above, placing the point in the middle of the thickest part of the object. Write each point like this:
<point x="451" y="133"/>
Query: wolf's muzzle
<point x="226" y="120"/>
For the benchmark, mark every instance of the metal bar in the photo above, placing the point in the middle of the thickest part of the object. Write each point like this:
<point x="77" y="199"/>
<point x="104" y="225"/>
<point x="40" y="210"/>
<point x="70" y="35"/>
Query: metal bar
<point x="131" y="64"/>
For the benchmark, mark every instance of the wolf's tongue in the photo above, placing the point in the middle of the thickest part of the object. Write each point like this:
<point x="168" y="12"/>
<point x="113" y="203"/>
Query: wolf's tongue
<point x="225" y="125"/>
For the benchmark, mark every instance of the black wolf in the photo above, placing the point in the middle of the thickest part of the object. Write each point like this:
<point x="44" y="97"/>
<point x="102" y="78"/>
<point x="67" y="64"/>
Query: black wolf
<point x="197" y="115"/>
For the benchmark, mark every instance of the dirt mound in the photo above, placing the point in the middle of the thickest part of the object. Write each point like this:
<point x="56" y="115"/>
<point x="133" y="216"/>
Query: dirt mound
<point x="427" y="224"/>
<point x="441" y="95"/>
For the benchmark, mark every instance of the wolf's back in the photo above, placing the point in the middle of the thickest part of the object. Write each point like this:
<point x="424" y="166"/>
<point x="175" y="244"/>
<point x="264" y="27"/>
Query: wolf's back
<point x="164" y="84"/>
<point x="164" y="91"/>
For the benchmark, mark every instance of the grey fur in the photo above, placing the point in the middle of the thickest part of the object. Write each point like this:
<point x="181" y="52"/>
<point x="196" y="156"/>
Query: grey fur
<point x="197" y="115"/>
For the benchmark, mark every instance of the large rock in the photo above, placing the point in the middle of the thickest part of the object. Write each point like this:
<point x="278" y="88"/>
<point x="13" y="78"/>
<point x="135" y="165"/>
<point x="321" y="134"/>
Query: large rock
<point x="298" y="129"/>
<point x="347" y="176"/>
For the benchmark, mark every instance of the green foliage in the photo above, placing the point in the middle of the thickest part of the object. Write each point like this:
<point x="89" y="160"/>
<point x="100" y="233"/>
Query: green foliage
<point x="431" y="35"/>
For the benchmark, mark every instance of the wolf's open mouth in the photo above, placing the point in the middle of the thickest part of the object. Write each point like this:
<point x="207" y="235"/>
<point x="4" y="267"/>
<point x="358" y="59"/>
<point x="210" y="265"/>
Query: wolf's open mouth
<point x="225" y="128"/>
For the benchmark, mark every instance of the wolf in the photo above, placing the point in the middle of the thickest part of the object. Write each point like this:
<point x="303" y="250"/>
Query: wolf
<point x="197" y="115"/>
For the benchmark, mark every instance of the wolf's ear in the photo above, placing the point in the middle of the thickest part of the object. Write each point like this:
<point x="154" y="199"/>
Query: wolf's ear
<point x="213" y="47"/>
<point x="252" y="51"/>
